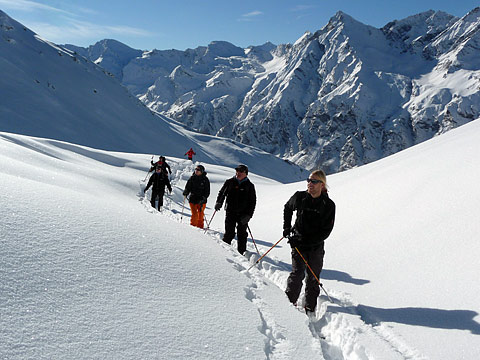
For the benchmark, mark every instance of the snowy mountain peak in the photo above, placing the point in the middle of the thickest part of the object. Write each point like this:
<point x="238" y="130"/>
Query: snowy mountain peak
<point x="223" y="49"/>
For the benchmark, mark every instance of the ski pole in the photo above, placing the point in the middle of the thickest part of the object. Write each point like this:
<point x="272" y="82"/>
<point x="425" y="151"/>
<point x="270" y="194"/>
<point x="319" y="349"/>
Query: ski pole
<point x="316" y="278"/>
<point x="254" y="243"/>
<point x="208" y="223"/>
<point x="148" y="172"/>
<point x="183" y="206"/>
<point x="256" y="262"/>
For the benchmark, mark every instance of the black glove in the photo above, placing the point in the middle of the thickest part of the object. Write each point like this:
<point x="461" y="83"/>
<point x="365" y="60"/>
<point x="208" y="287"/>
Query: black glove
<point x="294" y="242"/>
<point x="286" y="232"/>
<point x="245" y="219"/>
<point x="185" y="193"/>
<point x="203" y="200"/>
<point x="218" y="206"/>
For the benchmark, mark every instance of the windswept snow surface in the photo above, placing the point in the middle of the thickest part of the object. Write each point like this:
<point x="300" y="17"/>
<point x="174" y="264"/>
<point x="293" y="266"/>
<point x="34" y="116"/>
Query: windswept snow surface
<point x="89" y="270"/>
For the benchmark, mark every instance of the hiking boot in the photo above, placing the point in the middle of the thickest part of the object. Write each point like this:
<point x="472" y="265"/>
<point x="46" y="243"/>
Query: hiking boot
<point x="309" y="311"/>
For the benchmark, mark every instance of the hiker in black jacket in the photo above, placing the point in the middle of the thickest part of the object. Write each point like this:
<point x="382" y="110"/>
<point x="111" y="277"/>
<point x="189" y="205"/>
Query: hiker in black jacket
<point x="313" y="224"/>
<point x="162" y="163"/>
<point x="159" y="180"/>
<point x="241" y="199"/>
<point x="198" y="187"/>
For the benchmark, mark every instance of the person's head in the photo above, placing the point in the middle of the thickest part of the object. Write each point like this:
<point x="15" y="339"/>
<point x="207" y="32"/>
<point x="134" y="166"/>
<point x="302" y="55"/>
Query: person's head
<point x="241" y="172"/>
<point x="158" y="169"/>
<point x="317" y="183"/>
<point x="162" y="158"/>
<point x="199" y="170"/>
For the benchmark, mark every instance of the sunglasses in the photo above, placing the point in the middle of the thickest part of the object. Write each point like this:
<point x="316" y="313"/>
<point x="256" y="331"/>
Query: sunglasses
<point x="313" y="181"/>
<point x="198" y="169"/>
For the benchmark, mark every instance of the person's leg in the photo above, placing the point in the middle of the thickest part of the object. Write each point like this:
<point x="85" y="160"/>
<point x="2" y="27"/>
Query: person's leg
<point x="312" y="288"/>
<point x="201" y="215"/>
<point x="229" y="228"/>
<point x="194" y="210"/>
<point x="242" y="238"/>
<point x="153" y="198"/>
<point x="295" y="279"/>
<point x="160" y="200"/>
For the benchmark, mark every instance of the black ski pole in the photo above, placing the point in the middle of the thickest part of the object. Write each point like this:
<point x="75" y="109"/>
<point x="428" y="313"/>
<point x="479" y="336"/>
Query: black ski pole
<point x="316" y="278"/>
<point x="148" y="172"/>
<point x="208" y="223"/>
<point x="183" y="206"/>
<point x="253" y="240"/>
<point x="256" y="262"/>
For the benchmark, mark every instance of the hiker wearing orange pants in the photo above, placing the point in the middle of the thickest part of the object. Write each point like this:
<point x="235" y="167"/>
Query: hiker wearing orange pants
<point x="198" y="187"/>
<point x="197" y="218"/>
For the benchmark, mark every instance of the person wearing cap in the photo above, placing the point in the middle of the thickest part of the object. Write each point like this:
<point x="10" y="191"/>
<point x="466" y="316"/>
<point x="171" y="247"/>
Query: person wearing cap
<point x="198" y="187"/>
<point x="314" y="222"/>
<point x="158" y="181"/>
<point x="241" y="199"/>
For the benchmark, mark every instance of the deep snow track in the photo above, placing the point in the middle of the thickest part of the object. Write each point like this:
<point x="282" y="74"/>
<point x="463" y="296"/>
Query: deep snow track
<point x="337" y="329"/>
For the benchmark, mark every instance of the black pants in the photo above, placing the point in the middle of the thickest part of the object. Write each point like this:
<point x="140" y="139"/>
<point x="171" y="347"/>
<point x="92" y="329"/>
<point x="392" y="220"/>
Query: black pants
<point x="156" y="194"/>
<point x="232" y="221"/>
<point x="299" y="269"/>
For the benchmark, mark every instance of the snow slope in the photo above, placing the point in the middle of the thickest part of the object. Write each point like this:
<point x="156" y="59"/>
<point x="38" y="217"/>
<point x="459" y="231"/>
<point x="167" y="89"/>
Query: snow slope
<point x="90" y="270"/>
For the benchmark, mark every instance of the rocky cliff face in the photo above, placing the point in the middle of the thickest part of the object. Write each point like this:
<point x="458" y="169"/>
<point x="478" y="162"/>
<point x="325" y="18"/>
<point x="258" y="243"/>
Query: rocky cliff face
<point x="343" y="96"/>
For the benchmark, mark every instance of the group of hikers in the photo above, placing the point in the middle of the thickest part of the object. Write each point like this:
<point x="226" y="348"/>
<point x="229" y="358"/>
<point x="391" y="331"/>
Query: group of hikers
<point x="315" y="217"/>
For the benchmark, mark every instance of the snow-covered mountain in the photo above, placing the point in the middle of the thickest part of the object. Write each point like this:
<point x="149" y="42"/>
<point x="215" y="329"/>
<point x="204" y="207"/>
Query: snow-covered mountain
<point x="108" y="54"/>
<point x="52" y="92"/>
<point x="343" y="96"/>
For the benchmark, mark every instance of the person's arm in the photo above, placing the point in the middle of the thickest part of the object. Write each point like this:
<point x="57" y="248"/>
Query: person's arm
<point x="188" y="187"/>
<point x="288" y="210"/>
<point x="221" y="196"/>
<point x="207" y="188"/>
<point x="252" y="201"/>
<point x="328" y="221"/>
<point x="149" y="182"/>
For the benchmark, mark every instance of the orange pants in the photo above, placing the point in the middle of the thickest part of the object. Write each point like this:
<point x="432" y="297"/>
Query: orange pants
<point x="197" y="214"/>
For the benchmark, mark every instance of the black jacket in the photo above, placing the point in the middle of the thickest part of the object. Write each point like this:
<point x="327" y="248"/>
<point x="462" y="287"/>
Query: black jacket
<point x="159" y="181"/>
<point x="165" y="167"/>
<point x="314" y="221"/>
<point x="198" y="186"/>
<point x="241" y="197"/>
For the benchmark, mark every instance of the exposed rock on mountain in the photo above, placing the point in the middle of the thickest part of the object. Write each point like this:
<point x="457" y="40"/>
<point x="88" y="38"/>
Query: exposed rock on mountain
<point x="343" y="96"/>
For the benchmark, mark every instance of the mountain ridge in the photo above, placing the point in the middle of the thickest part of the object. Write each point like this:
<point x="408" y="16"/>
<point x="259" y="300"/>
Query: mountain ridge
<point x="345" y="95"/>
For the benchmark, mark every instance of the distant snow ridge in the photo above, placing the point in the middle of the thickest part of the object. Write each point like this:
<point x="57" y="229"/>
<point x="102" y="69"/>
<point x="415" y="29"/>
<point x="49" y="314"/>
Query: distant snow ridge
<point x="343" y="96"/>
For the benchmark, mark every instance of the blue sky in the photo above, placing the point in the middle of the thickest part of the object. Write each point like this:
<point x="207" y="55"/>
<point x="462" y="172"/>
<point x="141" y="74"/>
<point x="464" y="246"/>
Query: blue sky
<point x="181" y="24"/>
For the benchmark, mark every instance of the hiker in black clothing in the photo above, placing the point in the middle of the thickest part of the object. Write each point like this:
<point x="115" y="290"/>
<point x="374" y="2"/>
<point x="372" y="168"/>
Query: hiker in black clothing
<point x="159" y="180"/>
<point x="240" y="204"/>
<point x="198" y="187"/>
<point x="162" y="163"/>
<point x="313" y="224"/>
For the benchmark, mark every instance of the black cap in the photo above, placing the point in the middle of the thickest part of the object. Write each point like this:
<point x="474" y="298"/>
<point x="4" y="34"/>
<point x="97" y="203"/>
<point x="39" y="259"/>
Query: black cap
<point x="242" y="168"/>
